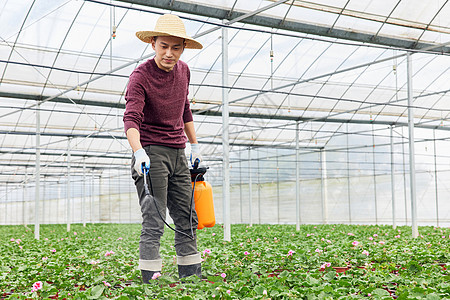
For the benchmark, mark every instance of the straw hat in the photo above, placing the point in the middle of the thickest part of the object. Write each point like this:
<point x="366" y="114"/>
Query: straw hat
<point x="169" y="25"/>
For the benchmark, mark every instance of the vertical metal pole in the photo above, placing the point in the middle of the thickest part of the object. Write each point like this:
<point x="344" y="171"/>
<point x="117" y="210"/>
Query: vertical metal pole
<point x="100" y="189"/>
<point x="374" y="177"/>
<point x="297" y="176"/>
<point x="43" y="201"/>
<point x="240" y="186"/>
<point x="250" y="184"/>
<point x="324" y="186"/>
<point x="91" y="211"/>
<point x="394" y="221"/>
<point x="68" y="201"/>
<point x="83" y="204"/>
<point x="436" y="179"/>
<point x="412" y="167"/>
<point x="38" y="170"/>
<point x="405" y="193"/>
<point x="278" y="188"/>
<point x="58" y="186"/>
<point x="225" y="138"/>
<point x="109" y="196"/>
<point x="119" y="199"/>
<point x="25" y="197"/>
<point x="23" y="203"/>
<point x="6" y="207"/>
<point x="348" y="182"/>
<point x="258" y="185"/>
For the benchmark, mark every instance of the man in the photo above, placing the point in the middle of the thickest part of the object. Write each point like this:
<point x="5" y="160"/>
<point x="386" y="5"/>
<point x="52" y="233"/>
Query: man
<point x="157" y="120"/>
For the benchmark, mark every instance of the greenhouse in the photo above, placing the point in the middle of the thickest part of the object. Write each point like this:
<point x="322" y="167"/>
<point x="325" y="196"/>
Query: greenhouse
<point x="313" y="118"/>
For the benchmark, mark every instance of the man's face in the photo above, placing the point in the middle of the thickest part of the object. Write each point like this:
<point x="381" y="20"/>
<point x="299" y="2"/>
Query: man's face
<point x="168" y="50"/>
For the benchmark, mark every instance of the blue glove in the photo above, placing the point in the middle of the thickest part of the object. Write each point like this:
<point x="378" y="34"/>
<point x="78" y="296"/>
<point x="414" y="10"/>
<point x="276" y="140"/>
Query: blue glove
<point x="195" y="154"/>
<point x="141" y="157"/>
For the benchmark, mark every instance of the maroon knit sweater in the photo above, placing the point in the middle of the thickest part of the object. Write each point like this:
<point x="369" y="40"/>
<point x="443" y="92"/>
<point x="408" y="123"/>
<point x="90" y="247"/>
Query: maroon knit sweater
<point x="157" y="104"/>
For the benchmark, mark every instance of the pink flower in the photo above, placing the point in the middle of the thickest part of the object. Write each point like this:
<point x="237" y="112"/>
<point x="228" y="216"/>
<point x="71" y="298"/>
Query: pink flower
<point x="20" y="247"/>
<point x="318" y="250"/>
<point x="206" y="251"/>
<point x="325" y="265"/>
<point x="265" y="292"/>
<point x="223" y="275"/>
<point x="44" y="258"/>
<point x="74" y="233"/>
<point x="328" y="241"/>
<point x="258" y="239"/>
<point x="106" y="283"/>
<point x="365" y="252"/>
<point x="108" y="253"/>
<point x="213" y="234"/>
<point x="12" y="240"/>
<point x="370" y="238"/>
<point x="37" y="286"/>
<point x="397" y="236"/>
<point x="94" y="262"/>
<point x="290" y="252"/>
<point x="228" y="292"/>
<point x="246" y="253"/>
<point x="156" y="275"/>
<point x="352" y="234"/>
<point x="53" y="250"/>
<point x="382" y="242"/>
<point x="375" y="235"/>
<point x="355" y="243"/>
<point x="119" y="238"/>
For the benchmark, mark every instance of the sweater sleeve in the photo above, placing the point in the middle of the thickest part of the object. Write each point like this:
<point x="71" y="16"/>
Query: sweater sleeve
<point x="187" y="115"/>
<point x="135" y="101"/>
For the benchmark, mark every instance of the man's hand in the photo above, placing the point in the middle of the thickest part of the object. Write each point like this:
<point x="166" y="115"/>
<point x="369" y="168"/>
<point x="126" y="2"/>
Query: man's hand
<point x="195" y="154"/>
<point x="141" y="157"/>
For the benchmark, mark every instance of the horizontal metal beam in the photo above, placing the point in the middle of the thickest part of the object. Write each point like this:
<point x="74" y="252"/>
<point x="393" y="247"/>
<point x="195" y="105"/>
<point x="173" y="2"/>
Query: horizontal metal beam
<point x="62" y="100"/>
<point x="202" y="112"/>
<point x="324" y="119"/>
<point x="286" y="24"/>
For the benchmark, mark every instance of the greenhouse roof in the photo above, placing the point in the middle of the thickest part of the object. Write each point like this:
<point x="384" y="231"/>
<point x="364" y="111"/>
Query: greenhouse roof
<point x="334" y="62"/>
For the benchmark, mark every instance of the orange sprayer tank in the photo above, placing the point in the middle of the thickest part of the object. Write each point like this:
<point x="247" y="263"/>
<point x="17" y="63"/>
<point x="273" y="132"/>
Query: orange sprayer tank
<point x="203" y="198"/>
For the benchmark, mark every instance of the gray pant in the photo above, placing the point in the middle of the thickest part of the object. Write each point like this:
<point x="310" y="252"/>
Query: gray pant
<point x="170" y="186"/>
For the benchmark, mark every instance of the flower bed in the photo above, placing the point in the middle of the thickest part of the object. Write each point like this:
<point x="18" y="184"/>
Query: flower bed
<point x="262" y="262"/>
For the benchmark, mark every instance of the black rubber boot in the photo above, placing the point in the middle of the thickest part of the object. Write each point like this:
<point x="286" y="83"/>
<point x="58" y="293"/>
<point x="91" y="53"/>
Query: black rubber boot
<point x="147" y="276"/>
<point x="188" y="270"/>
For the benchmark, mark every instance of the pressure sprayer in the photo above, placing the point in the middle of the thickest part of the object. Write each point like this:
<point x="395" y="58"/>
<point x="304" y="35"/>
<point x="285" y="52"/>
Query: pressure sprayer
<point x="201" y="196"/>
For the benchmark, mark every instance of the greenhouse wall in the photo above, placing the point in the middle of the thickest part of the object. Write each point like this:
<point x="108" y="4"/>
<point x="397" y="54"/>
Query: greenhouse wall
<point x="272" y="202"/>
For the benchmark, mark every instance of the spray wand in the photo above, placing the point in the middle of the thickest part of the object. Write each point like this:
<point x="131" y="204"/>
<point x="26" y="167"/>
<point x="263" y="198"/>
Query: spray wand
<point x="145" y="171"/>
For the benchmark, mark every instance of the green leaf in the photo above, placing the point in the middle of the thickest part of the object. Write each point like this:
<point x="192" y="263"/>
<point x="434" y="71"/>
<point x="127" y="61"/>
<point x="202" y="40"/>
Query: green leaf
<point x="330" y="275"/>
<point x="96" y="292"/>
<point x="284" y="274"/>
<point x="380" y="292"/>
<point x="259" y="290"/>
